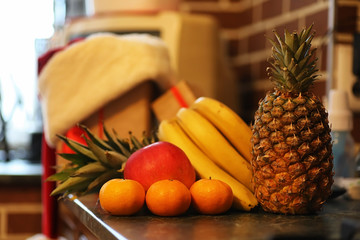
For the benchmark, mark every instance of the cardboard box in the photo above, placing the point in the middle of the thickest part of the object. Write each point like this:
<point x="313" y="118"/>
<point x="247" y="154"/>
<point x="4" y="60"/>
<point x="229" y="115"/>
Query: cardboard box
<point x="167" y="105"/>
<point x="129" y="112"/>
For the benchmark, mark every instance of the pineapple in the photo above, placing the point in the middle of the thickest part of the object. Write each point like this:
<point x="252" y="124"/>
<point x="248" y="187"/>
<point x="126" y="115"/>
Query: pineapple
<point x="291" y="142"/>
<point x="92" y="165"/>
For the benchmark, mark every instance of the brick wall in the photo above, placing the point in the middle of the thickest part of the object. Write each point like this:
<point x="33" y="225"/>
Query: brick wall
<point x="244" y="25"/>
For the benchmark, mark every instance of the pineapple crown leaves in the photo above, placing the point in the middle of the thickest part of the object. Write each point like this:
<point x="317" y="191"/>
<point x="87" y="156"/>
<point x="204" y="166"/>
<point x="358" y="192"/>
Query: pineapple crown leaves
<point x="293" y="65"/>
<point x="98" y="161"/>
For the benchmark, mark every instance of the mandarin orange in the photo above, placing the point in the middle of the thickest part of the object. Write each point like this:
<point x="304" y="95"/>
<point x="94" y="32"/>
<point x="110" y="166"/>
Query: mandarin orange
<point x="211" y="196"/>
<point x="168" y="198"/>
<point x="122" y="196"/>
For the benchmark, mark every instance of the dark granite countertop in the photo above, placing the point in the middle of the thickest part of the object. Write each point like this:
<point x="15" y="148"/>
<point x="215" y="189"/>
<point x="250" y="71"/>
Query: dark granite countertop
<point x="326" y="224"/>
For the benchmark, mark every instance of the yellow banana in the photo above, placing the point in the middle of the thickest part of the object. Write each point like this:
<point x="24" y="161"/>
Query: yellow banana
<point x="170" y="131"/>
<point x="228" y="122"/>
<point x="214" y="144"/>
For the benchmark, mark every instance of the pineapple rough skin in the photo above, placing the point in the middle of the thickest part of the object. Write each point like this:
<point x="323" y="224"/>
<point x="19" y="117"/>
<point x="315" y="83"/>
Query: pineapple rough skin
<point x="292" y="154"/>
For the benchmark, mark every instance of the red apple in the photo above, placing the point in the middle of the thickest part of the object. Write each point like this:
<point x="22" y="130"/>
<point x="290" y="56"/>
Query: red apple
<point x="159" y="161"/>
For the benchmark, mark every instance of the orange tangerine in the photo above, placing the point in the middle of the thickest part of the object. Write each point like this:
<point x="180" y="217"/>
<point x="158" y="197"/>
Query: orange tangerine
<point x="211" y="196"/>
<point x="122" y="196"/>
<point x="168" y="198"/>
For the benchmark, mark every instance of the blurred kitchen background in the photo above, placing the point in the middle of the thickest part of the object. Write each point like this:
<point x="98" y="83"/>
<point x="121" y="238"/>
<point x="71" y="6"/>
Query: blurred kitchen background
<point x="30" y="27"/>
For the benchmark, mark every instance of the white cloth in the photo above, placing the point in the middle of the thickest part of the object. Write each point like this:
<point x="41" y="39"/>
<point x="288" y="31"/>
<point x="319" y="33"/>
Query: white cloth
<point x="87" y="75"/>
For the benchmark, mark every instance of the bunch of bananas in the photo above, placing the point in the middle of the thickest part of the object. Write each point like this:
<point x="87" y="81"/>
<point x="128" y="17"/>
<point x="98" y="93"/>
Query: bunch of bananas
<point x="217" y="142"/>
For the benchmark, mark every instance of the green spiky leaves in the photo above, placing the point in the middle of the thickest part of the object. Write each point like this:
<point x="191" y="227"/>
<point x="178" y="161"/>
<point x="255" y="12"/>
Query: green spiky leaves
<point x="293" y="64"/>
<point x="91" y="165"/>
